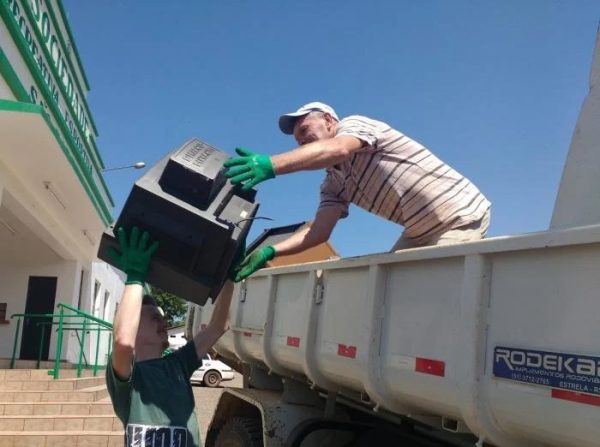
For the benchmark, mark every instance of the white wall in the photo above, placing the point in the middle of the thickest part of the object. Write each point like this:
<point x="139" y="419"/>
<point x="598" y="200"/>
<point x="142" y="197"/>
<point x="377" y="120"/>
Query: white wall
<point x="14" y="280"/>
<point x="13" y="292"/>
<point x="5" y="91"/>
<point x="112" y="281"/>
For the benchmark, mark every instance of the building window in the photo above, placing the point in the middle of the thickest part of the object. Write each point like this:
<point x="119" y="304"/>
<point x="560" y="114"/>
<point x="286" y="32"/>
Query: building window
<point x="80" y="290"/>
<point x="95" y="309"/>
<point x="105" y="309"/>
<point x="3" y="313"/>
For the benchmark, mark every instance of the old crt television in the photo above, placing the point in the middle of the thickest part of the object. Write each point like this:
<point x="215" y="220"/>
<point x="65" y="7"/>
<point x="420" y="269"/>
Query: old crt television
<point x="198" y="217"/>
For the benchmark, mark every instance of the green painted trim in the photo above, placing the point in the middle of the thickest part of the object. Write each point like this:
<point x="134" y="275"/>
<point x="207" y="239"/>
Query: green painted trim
<point x="17" y="106"/>
<point x="94" y="156"/>
<point x="64" y="45"/>
<point x="37" y="75"/>
<point x="101" y="176"/>
<point x="63" y="15"/>
<point x="24" y="107"/>
<point x="81" y="313"/>
<point x="19" y="40"/>
<point x="12" y="79"/>
<point x="29" y="12"/>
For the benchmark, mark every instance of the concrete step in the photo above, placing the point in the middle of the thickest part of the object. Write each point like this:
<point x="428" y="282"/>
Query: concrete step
<point x="32" y="364"/>
<point x="51" y="385"/>
<point x="42" y="374"/>
<point x="104" y="406"/>
<point x="90" y="394"/>
<point x="98" y="422"/>
<point x="61" y="439"/>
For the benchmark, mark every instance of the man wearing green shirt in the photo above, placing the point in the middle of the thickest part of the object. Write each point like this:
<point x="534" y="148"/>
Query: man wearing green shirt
<point x="151" y="394"/>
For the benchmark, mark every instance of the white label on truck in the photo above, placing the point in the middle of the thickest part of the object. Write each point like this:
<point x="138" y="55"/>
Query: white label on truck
<point x="403" y="362"/>
<point x="329" y="347"/>
<point x="340" y="349"/>
<point x="288" y="340"/>
<point x="419" y="364"/>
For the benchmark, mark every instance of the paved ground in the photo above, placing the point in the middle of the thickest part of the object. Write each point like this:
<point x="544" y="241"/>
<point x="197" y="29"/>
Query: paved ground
<point x="207" y="399"/>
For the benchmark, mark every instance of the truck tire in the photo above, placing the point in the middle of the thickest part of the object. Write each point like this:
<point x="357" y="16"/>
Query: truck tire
<point x="240" y="432"/>
<point x="212" y="379"/>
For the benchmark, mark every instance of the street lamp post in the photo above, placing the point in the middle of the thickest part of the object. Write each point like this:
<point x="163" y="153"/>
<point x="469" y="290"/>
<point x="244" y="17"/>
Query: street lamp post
<point x="138" y="165"/>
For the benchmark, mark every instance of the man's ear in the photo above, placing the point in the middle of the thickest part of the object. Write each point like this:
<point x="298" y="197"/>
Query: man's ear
<point x="330" y="120"/>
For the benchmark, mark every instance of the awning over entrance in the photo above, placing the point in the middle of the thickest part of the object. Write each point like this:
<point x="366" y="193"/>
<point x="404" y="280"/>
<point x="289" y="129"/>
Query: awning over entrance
<point x="57" y="198"/>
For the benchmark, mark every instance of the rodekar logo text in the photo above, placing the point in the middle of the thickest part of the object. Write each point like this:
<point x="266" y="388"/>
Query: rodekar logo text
<point x="558" y="365"/>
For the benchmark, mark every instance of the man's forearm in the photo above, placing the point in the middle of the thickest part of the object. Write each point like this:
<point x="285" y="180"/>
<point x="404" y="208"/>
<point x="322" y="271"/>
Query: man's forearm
<point x="127" y="318"/>
<point x="220" y="316"/>
<point x="125" y="327"/>
<point x="299" y="242"/>
<point x="318" y="155"/>
<point x="219" y="322"/>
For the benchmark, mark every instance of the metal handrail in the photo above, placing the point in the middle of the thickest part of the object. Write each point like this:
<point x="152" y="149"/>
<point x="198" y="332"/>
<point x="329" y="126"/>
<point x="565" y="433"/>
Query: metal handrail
<point x="85" y="322"/>
<point x="72" y="327"/>
<point x="85" y="314"/>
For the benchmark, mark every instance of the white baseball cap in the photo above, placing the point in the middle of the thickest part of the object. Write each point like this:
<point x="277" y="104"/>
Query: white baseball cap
<point x="287" y="121"/>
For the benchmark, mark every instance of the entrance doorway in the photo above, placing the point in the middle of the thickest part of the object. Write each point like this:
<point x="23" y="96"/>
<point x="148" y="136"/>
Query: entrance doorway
<point x="41" y="294"/>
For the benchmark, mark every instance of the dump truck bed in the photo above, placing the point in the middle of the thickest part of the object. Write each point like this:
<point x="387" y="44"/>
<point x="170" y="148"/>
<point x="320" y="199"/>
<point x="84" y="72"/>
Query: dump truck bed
<point x="498" y="337"/>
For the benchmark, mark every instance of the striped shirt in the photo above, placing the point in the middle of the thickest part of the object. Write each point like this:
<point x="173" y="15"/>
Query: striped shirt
<point x="400" y="180"/>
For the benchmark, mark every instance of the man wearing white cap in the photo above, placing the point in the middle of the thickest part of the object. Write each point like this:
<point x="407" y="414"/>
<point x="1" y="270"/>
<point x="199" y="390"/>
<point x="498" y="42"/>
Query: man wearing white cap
<point x="374" y="166"/>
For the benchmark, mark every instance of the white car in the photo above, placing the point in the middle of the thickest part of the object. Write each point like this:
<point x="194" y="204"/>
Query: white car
<point x="212" y="372"/>
<point x="177" y="341"/>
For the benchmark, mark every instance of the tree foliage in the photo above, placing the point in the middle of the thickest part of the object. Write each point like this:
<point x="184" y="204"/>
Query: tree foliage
<point x="173" y="306"/>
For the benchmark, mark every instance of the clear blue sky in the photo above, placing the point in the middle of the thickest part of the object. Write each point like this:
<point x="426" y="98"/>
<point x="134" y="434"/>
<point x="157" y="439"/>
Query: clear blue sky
<point x="492" y="87"/>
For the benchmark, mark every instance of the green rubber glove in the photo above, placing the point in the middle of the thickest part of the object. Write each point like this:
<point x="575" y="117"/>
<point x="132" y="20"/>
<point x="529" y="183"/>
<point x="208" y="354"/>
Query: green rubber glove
<point x="249" y="168"/>
<point x="237" y="260"/>
<point x="254" y="262"/>
<point x="134" y="258"/>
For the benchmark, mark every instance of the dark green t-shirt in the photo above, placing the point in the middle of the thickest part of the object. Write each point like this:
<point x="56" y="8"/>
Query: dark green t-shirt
<point x="156" y="404"/>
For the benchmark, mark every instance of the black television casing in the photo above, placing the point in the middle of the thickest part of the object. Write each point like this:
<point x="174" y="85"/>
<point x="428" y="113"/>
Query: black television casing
<point x="198" y="217"/>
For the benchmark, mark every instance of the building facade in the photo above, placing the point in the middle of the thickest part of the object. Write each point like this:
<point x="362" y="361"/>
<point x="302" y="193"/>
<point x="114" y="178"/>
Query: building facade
<point x="54" y="203"/>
